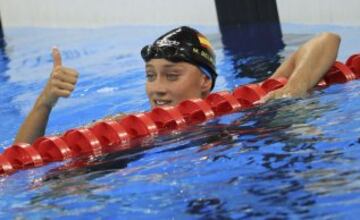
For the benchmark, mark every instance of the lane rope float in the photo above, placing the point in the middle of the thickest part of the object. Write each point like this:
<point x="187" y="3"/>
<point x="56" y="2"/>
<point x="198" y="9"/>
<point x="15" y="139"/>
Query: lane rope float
<point x="104" y="136"/>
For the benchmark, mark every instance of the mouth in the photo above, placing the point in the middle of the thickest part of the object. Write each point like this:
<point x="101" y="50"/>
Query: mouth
<point x="161" y="102"/>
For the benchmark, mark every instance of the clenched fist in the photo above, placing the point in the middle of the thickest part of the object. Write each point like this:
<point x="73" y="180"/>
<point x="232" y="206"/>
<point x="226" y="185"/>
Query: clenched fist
<point x="61" y="83"/>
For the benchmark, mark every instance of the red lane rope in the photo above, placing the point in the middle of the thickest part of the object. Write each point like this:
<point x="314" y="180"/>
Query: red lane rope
<point x="103" y="136"/>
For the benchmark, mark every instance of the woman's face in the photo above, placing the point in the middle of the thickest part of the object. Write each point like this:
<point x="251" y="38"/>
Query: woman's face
<point x="169" y="83"/>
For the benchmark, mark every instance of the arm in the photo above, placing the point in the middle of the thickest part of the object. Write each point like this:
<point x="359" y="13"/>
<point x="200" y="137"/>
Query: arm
<point x="307" y="66"/>
<point x="61" y="83"/>
<point x="116" y="117"/>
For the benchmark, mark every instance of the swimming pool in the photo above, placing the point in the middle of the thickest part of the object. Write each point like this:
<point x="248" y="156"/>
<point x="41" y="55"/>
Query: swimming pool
<point x="286" y="159"/>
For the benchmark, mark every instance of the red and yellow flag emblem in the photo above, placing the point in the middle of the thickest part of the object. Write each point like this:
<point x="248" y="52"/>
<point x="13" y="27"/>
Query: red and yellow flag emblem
<point x="204" y="41"/>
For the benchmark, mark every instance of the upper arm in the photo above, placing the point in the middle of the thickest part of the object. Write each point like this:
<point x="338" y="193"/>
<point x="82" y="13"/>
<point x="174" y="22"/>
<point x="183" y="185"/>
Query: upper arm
<point x="324" y="41"/>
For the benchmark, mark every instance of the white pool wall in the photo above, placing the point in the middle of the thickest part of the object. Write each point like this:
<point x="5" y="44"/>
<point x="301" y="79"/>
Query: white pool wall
<point x="100" y="13"/>
<point x="333" y="12"/>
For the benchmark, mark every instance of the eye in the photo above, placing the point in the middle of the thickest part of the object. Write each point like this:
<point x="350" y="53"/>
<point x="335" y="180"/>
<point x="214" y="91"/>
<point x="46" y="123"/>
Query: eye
<point x="172" y="76"/>
<point x="150" y="76"/>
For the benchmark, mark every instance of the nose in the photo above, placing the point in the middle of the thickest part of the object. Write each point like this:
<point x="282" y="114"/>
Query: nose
<point x="158" y="87"/>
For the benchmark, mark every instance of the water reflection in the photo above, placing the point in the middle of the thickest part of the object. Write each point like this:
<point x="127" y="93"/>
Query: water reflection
<point x="252" y="164"/>
<point x="4" y="60"/>
<point x="253" y="49"/>
<point x="278" y="161"/>
<point x="269" y="140"/>
<point x="7" y="90"/>
<point x="246" y="138"/>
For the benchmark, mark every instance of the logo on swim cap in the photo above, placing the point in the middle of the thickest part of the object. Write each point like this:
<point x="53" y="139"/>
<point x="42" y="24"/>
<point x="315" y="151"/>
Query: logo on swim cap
<point x="166" y="41"/>
<point x="184" y="44"/>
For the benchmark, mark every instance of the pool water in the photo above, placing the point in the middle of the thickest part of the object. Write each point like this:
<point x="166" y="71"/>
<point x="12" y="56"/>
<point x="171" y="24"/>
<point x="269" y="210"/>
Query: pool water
<point x="294" y="158"/>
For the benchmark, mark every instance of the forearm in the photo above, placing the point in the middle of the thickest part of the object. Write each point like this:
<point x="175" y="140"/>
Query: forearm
<point x="286" y="68"/>
<point x="306" y="67"/>
<point x="312" y="61"/>
<point x="61" y="83"/>
<point x="35" y="123"/>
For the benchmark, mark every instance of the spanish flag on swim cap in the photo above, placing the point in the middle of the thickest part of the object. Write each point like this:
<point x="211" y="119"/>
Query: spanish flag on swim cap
<point x="200" y="51"/>
<point x="204" y="41"/>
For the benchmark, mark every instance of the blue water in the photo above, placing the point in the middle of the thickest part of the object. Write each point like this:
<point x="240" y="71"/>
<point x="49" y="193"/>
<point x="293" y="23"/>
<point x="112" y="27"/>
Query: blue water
<point x="296" y="158"/>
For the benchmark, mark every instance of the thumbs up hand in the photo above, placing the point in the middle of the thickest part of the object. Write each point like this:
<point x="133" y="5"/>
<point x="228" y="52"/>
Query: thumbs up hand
<point x="61" y="83"/>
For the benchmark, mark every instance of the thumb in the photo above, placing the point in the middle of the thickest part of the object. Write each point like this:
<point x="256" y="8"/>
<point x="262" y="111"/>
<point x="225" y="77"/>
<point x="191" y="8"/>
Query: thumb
<point x="56" y="57"/>
<point x="266" y="98"/>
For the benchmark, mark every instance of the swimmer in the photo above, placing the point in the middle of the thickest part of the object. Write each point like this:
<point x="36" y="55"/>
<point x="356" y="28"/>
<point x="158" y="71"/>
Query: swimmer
<point x="180" y="65"/>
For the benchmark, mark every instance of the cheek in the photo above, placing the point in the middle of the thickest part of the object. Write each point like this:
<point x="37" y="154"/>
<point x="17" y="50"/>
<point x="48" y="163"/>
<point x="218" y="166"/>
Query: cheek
<point x="148" y="89"/>
<point x="186" y="90"/>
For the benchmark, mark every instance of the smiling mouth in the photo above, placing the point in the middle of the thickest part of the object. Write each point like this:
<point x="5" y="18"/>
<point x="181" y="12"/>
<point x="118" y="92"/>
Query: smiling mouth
<point x="161" y="102"/>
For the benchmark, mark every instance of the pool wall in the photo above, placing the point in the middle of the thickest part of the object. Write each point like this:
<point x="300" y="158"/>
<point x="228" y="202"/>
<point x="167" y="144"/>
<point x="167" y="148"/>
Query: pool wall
<point x="94" y="13"/>
<point x="320" y="12"/>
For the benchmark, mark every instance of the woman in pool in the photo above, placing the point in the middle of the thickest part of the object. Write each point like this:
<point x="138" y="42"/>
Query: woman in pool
<point x="181" y="65"/>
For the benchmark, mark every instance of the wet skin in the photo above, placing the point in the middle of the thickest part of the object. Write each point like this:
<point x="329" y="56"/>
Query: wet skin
<point x="169" y="83"/>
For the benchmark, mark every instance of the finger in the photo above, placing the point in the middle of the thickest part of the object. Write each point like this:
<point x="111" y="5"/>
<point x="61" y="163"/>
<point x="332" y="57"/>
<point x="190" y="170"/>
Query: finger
<point x="61" y="92"/>
<point x="56" y="57"/>
<point x="279" y="94"/>
<point x="69" y="71"/>
<point x="59" y="75"/>
<point x="265" y="98"/>
<point x="64" y="86"/>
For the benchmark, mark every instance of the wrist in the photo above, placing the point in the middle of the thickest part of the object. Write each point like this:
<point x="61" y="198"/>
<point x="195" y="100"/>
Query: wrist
<point x="295" y="89"/>
<point x="43" y="104"/>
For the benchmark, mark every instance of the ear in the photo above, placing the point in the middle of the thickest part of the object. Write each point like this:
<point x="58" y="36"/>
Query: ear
<point x="205" y="84"/>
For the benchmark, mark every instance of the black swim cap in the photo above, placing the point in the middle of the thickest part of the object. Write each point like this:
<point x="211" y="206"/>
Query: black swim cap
<point x="184" y="44"/>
